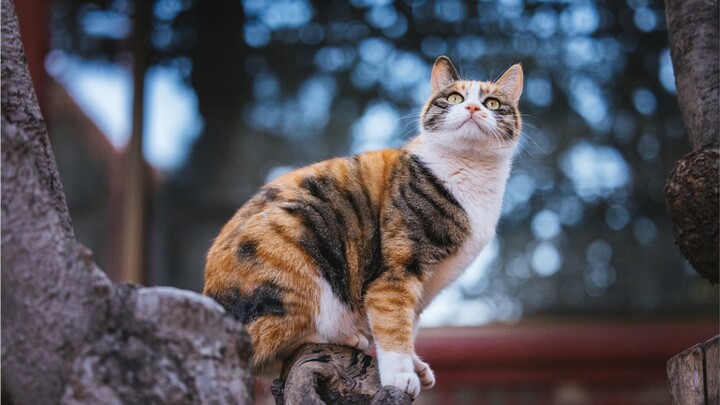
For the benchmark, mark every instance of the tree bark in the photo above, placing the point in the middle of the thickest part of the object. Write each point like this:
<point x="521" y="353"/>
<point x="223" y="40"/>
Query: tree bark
<point x="329" y="374"/>
<point x="68" y="334"/>
<point x="691" y="192"/>
<point x="694" y="376"/>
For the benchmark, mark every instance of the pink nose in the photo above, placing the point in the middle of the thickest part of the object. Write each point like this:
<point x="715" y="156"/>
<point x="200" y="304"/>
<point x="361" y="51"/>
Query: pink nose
<point x="472" y="108"/>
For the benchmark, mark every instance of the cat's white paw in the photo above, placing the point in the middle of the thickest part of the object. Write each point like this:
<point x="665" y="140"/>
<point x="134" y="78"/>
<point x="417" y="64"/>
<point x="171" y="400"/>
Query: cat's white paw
<point x="424" y="373"/>
<point x="397" y="369"/>
<point x="407" y="382"/>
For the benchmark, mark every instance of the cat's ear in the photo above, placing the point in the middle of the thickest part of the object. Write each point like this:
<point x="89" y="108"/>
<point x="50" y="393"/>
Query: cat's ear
<point x="443" y="74"/>
<point x="511" y="82"/>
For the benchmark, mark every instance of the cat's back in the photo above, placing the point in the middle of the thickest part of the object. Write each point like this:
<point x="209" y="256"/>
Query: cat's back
<point x="304" y="214"/>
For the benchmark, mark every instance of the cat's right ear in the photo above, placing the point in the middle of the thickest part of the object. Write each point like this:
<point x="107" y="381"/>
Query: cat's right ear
<point x="443" y="74"/>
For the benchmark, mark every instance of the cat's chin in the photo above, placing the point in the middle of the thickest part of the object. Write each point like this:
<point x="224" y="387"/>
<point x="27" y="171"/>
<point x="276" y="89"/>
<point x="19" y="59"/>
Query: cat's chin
<point x="468" y="141"/>
<point x="476" y="135"/>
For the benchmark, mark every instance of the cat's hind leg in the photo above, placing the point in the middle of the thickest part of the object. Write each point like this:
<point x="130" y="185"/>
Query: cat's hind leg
<point x="274" y="331"/>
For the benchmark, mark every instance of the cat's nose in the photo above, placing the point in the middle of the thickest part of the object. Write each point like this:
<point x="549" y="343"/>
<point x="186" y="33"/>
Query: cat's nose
<point x="472" y="108"/>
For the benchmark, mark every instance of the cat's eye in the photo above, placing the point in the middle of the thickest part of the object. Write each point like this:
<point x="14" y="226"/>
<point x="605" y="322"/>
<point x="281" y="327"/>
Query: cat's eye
<point x="492" y="104"/>
<point x="455" y="98"/>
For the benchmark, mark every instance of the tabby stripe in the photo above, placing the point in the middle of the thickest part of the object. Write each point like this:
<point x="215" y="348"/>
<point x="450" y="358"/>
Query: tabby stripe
<point x="426" y="220"/>
<point x="434" y="193"/>
<point x="437" y="203"/>
<point x="375" y="266"/>
<point x="443" y="106"/>
<point x="283" y="234"/>
<point x="322" y="238"/>
<point x="333" y="269"/>
<point x="367" y="198"/>
<point x="432" y="121"/>
<point x="417" y="167"/>
<point x="359" y="213"/>
<point x="372" y="257"/>
<point x="321" y="188"/>
<point x="414" y="266"/>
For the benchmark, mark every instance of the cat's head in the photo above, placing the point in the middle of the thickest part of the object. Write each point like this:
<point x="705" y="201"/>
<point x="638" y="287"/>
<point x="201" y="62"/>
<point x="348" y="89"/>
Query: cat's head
<point x="472" y="113"/>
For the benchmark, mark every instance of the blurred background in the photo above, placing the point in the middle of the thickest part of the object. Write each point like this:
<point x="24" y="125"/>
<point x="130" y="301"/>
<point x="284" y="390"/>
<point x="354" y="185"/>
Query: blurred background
<point x="166" y="115"/>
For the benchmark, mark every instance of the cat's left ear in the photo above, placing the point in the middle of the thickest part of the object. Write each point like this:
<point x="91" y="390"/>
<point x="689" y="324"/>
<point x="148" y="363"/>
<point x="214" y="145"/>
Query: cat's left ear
<point x="511" y="82"/>
<point x="443" y="74"/>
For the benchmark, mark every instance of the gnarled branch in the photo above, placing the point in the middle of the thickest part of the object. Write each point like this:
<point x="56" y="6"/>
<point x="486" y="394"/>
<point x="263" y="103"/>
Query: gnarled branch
<point x="328" y="374"/>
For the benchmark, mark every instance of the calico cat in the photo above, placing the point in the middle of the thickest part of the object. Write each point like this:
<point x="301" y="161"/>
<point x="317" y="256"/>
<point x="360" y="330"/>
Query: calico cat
<point x="351" y="250"/>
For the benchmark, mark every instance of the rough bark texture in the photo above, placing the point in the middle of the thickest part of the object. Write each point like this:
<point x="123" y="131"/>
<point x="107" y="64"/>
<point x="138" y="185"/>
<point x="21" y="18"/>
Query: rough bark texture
<point x="68" y="334"/>
<point x="693" y="35"/>
<point x="320" y="374"/>
<point x="694" y="375"/>
<point x="691" y="193"/>
<point x="691" y="198"/>
<point x="161" y="346"/>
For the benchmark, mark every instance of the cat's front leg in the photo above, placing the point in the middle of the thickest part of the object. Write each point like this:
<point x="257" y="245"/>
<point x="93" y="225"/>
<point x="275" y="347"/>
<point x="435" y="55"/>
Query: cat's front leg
<point x="390" y="305"/>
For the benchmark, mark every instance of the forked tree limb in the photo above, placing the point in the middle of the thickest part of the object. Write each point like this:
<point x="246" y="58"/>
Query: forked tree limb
<point x="691" y="192"/>
<point x="327" y="374"/>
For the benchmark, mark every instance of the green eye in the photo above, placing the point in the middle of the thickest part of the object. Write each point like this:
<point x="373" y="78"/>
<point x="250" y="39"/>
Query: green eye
<point x="455" y="98"/>
<point x="492" y="104"/>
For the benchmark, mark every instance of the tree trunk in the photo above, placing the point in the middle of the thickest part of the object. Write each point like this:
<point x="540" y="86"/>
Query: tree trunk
<point x="318" y="374"/>
<point x="68" y="334"/>
<point x="691" y="192"/>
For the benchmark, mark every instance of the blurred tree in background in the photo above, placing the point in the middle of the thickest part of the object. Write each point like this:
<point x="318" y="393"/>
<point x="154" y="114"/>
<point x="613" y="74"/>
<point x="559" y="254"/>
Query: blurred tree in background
<point x="281" y="84"/>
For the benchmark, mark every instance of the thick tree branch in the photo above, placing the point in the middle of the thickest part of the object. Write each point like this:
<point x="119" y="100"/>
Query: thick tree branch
<point x="691" y="192"/>
<point x="693" y="34"/>
<point x="68" y="334"/>
<point x="320" y="374"/>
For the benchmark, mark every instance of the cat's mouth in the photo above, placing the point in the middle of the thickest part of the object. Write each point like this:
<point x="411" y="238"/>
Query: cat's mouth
<point x="475" y="127"/>
<point x="471" y="120"/>
<point x="473" y="123"/>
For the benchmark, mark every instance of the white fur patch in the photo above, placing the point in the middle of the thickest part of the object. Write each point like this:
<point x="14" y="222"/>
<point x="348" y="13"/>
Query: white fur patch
<point x="335" y="322"/>
<point x="397" y="369"/>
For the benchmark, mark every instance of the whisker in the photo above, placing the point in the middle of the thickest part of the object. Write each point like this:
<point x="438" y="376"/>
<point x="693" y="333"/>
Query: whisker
<point x="523" y="144"/>
<point x="408" y="134"/>
<point x="410" y="115"/>
<point x="410" y="123"/>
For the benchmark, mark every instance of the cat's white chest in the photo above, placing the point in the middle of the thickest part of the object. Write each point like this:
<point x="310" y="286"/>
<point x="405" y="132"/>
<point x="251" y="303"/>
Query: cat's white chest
<point x="481" y="197"/>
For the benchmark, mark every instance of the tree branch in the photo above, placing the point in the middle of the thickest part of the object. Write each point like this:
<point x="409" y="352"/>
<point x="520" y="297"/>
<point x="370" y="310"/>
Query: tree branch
<point x="320" y="374"/>
<point x="693" y="35"/>
<point x="68" y="334"/>
<point x="691" y="191"/>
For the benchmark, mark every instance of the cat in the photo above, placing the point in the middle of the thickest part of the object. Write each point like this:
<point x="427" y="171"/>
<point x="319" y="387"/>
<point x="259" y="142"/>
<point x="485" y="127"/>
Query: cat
<point x="351" y="250"/>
